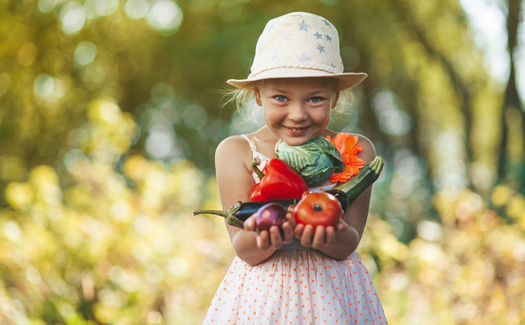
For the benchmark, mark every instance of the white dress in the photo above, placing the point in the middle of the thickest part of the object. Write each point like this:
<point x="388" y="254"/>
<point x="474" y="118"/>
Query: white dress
<point x="297" y="285"/>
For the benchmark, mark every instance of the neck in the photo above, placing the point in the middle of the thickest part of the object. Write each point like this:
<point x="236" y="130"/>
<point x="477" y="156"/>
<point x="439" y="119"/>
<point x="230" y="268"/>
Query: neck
<point x="265" y="135"/>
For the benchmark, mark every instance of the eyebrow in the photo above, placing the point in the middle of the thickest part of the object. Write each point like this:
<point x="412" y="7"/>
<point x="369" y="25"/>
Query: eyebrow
<point x="278" y="90"/>
<point x="313" y="93"/>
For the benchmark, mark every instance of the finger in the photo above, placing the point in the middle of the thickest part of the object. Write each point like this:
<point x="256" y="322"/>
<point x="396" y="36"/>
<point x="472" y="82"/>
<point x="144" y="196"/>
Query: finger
<point x="330" y="235"/>
<point x="263" y="240"/>
<point x="276" y="241"/>
<point x="306" y="236"/>
<point x="341" y="225"/>
<point x="288" y="232"/>
<point x="318" y="237"/>
<point x="249" y="224"/>
<point x="290" y="217"/>
<point x="298" y="230"/>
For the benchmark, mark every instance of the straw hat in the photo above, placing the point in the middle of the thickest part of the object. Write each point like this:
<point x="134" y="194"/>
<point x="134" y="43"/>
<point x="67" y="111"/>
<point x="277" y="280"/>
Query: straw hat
<point x="297" y="45"/>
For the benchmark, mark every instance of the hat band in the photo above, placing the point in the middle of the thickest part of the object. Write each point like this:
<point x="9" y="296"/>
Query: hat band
<point x="306" y="66"/>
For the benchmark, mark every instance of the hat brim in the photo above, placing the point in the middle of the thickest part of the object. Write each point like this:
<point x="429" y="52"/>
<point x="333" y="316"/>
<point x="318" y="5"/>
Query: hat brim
<point x="345" y="80"/>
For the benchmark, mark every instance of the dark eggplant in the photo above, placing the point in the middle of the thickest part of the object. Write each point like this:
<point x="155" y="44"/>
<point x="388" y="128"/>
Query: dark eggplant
<point x="239" y="212"/>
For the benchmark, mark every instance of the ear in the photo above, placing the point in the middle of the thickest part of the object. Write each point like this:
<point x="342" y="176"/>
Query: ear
<point x="336" y="98"/>
<point x="257" y="96"/>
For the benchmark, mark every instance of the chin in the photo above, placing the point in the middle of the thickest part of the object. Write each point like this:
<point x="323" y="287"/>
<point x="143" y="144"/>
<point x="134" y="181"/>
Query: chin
<point x="296" y="141"/>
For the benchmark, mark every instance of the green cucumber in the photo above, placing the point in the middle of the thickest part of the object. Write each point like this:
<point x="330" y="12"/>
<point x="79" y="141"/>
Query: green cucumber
<point x="360" y="182"/>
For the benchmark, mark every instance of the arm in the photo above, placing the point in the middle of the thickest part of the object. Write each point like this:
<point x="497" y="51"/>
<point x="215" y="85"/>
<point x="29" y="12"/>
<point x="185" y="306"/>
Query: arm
<point x="339" y="243"/>
<point x="233" y="169"/>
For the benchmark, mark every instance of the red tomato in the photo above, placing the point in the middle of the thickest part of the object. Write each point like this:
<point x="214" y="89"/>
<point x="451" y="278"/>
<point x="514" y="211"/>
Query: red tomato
<point x="318" y="209"/>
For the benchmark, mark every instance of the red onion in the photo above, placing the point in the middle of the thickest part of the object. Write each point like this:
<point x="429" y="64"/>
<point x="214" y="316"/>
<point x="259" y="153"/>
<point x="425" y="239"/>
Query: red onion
<point x="271" y="214"/>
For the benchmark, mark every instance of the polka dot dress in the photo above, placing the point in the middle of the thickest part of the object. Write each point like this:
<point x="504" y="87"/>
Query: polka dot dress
<point x="297" y="285"/>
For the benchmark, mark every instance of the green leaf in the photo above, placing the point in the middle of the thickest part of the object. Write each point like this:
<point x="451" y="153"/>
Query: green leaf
<point x="316" y="161"/>
<point x="298" y="157"/>
<point x="328" y="148"/>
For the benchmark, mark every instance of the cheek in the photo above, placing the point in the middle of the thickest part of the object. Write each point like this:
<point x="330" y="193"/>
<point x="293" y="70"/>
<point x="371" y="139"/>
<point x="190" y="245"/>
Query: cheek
<point x="272" y="115"/>
<point x="323" y="116"/>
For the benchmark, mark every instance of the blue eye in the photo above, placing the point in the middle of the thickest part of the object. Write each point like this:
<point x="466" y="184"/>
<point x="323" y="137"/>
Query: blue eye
<point x="280" y="98"/>
<point x="316" y="99"/>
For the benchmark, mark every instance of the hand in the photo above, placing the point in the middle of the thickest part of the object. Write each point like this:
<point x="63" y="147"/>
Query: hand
<point x="320" y="236"/>
<point x="275" y="238"/>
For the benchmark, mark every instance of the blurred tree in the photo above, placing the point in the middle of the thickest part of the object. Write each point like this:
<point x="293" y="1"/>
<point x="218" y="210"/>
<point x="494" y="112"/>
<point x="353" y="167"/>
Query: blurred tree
<point x="511" y="164"/>
<point x="57" y="55"/>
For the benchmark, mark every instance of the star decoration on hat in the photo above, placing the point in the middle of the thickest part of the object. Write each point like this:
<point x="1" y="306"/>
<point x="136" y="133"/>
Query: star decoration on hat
<point x="303" y="26"/>
<point x="326" y="22"/>
<point x="320" y="48"/>
<point x="328" y="38"/>
<point x="319" y="36"/>
<point x="303" y="58"/>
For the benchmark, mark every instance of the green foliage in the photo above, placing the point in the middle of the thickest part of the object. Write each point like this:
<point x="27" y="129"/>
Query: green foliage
<point x="463" y="269"/>
<point x="111" y="248"/>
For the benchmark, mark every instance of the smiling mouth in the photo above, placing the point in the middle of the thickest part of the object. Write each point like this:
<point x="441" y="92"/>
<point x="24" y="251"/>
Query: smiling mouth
<point x="296" y="131"/>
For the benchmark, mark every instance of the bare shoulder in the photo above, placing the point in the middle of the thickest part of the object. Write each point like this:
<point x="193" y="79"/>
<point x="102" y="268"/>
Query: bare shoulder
<point x="233" y="151"/>
<point x="235" y="145"/>
<point x="369" y="151"/>
<point x="233" y="170"/>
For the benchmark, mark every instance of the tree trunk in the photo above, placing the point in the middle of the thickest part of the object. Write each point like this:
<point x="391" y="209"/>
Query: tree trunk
<point x="511" y="99"/>
<point x="462" y="89"/>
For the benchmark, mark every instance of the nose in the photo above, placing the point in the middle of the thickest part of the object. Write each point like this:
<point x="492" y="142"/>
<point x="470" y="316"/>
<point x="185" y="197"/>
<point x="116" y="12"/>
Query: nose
<point x="297" y="112"/>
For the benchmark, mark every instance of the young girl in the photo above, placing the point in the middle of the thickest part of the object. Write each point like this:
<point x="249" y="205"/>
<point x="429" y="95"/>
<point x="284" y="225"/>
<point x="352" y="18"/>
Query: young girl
<point x="304" y="275"/>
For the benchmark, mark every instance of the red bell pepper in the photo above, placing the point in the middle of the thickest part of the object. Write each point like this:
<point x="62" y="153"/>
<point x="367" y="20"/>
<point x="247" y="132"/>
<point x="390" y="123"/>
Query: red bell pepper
<point x="279" y="182"/>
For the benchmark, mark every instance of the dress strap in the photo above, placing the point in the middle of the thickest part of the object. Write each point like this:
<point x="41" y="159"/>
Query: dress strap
<point x="252" y="145"/>
<point x="256" y="155"/>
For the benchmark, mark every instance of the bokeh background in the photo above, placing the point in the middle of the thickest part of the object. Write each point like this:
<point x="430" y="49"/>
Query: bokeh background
<point x="110" y="112"/>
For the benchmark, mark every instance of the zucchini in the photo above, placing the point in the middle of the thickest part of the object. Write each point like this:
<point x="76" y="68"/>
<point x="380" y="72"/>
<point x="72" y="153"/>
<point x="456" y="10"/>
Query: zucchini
<point x="360" y="182"/>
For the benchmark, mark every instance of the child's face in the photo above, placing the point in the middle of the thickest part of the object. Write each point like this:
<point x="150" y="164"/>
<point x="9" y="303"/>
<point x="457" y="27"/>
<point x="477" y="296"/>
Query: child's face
<point x="297" y="109"/>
